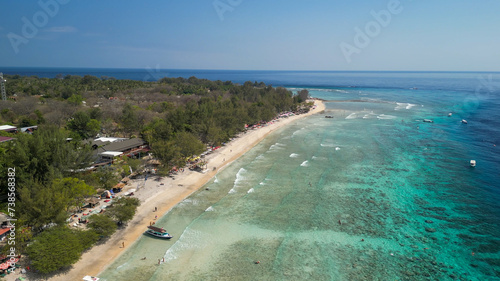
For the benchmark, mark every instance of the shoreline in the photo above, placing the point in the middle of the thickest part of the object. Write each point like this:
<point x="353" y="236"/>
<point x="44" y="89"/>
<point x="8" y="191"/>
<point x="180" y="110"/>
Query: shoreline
<point x="164" y="193"/>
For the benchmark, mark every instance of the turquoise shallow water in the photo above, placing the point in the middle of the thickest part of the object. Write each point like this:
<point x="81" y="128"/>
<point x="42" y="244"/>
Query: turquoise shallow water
<point x="372" y="194"/>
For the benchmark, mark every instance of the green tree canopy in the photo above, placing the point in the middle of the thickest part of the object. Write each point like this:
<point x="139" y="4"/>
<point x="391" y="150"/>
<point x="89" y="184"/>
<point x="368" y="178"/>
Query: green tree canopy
<point x="123" y="209"/>
<point x="42" y="204"/>
<point x="129" y="119"/>
<point x="102" y="225"/>
<point x="59" y="247"/>
<point x="83" y="126"/>
<point x="43" y="156"/>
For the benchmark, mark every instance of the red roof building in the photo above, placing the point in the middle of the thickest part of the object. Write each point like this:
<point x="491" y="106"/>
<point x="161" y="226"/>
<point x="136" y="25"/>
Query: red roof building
<point x="5" y="139"/>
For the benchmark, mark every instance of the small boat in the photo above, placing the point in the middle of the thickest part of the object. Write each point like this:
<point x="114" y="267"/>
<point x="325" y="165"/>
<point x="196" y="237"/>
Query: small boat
<point x="473" y="163"/>
<point x="464" y="121"/>
<point x="428" y="121"/>
<point x="328" y="116"/>
<point x="158" y="232"/>
<point x="449" y="114"/>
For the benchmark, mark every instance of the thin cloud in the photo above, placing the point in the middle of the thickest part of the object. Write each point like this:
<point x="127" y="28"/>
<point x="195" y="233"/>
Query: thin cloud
<point x="61" y="29"/>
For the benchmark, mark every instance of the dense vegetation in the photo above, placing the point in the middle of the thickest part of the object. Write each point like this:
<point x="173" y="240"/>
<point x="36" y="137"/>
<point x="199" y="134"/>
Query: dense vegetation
<point x="195" y="112"/>
<point x="178" y="118"/>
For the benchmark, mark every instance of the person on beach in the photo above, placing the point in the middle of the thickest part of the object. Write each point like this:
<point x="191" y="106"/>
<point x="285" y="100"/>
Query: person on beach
<point x="123" y="244"/>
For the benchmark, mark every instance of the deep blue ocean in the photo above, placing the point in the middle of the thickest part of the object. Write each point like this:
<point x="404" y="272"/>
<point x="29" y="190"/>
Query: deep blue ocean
<point x="374" y="193"/>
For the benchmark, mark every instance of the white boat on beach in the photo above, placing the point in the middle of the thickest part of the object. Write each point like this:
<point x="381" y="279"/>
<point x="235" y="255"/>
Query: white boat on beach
<point x="473" y="163"/>
<point x="158" y="232"/>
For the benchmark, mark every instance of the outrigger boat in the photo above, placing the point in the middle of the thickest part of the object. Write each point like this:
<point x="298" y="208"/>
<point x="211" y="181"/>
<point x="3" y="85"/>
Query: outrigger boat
<point x="158" y="232"/>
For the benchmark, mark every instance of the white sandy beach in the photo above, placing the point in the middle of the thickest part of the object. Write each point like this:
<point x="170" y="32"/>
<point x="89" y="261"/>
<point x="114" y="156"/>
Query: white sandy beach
<point x="165" y="196"/>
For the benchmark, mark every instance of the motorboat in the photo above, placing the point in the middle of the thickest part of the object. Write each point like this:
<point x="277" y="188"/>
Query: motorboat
<point x="464" y="121"/>
<point x="158" y="232"/>
<point x="473" y="163"/>
<point x="428" y="121"/>
<point x="450" y="114"/>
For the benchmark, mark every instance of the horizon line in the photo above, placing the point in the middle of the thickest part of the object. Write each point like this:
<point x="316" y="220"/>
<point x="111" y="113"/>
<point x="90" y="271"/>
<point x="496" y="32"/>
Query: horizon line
<point x="273" y="70"/>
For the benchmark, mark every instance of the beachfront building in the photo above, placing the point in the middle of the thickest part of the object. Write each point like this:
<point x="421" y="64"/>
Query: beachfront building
<point x="8" y="129"/>
<point x="109" y="156"/>
<point x="130" y="147"/>
<point x="29" y="130"/>
<point x="13" y="129"/>
<point x="5" y="139"/>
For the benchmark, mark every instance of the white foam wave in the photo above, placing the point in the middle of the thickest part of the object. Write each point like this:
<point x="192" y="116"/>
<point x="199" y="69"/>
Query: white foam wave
<point x="318" y="158"/>
<point x="305" y="164"/>
<point x="313" y="89"/>
<point x="401" y="106"/>
<point x="190" y="201"/>
<point x="296" y="132"/>
<point x="337" y="148"/>
<point x="118" y="268"/>
<point x="384" y="116"/>
<point x="209" y="209"/>
<point x="327" y="145"/>
<point x="370" y="115"/>
<point x="294" y="155"/>
<point x="170" y="255"/>
<point x="232" y="191"/>
<point x="277" y="146"/>
<point x="264" y="181"/>
<point x="260" y="157"/>
<point x="351" y="116"/>
<point x="216" y="180"/>
<point x="251" y="190"/>
<point x="239" y="176"/>
<point x="187" y="240"/>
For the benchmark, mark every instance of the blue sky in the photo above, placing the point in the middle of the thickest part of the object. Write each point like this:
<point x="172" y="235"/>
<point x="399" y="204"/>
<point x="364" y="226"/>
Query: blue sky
<point x="253" y="34"/>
